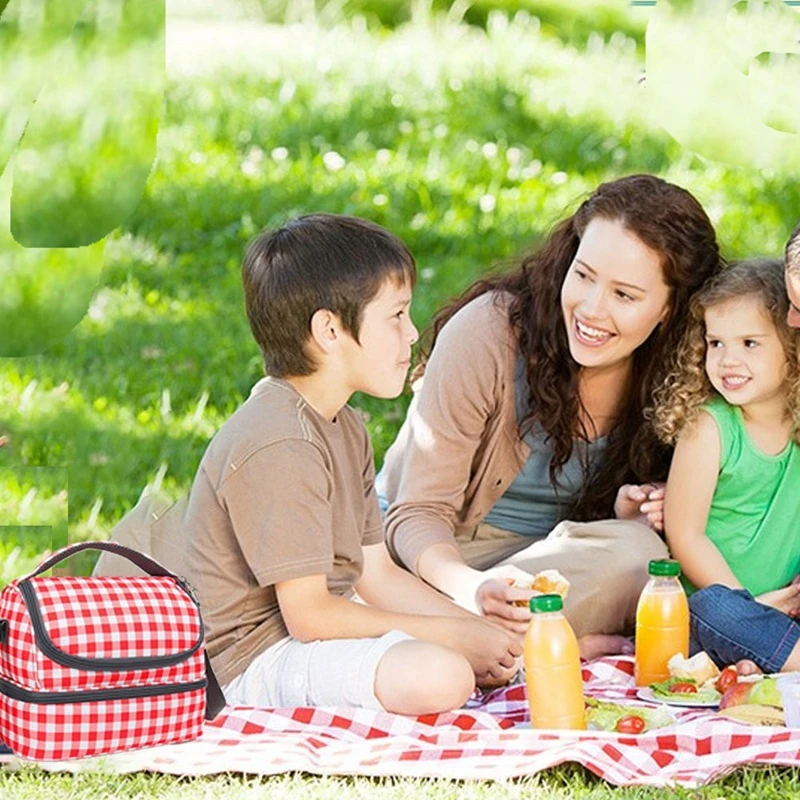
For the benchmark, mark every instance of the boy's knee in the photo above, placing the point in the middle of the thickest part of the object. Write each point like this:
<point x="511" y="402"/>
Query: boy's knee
<point x="417" y="677"/>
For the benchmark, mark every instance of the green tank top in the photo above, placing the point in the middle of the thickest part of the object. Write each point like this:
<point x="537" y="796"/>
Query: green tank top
<point x="755" y="511"/>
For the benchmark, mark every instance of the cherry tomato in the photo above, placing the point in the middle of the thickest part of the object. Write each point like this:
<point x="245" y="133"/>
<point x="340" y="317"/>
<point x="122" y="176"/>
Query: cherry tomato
<point x="630" y="724"/>
<point x="683" y="688"/>
<point x="727" y="678"/>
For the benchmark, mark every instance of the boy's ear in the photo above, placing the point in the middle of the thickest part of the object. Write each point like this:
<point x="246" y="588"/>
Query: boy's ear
<point x="326" y="330"/>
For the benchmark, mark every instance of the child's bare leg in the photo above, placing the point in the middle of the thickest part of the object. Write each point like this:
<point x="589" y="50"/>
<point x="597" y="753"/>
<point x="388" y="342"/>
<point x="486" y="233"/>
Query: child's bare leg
<point x="415" y="677"/>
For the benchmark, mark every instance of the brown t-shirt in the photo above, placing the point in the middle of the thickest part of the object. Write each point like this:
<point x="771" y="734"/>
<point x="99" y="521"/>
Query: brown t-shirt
<point x="281" y="493"/>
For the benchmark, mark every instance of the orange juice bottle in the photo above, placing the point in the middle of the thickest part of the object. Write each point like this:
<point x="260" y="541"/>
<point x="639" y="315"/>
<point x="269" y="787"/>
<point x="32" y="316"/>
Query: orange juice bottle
<point x="553" y="667"/>
<point x="662" y="622"/>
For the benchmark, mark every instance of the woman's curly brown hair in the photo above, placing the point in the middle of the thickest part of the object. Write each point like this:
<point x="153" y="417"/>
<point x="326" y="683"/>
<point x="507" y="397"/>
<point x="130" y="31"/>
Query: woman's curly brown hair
<point x="687" y="386"/>
<point x="670" y="221"/>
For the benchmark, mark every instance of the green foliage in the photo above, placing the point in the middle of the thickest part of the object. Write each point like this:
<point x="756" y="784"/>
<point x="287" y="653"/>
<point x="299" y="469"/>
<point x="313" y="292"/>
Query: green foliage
<point x="84" y="151"/>
<point x="574" y="21"/>
<point x="468" y="142"/>
<point x="89" y="140"/>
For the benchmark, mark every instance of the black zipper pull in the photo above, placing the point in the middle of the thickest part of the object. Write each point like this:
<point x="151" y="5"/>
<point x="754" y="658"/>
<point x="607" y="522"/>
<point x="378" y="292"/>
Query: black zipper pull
<point x="189" y="589"/>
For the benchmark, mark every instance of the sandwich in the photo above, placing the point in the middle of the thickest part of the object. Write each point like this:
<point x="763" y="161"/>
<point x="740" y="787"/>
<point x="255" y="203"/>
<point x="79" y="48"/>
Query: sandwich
<point x="699" y="668"/>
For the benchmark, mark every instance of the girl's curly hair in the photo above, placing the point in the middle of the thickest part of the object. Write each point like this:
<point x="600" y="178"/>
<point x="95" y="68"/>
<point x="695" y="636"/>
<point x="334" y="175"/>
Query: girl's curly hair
<point x="671" y="222"/>
<point x="687" y="386"/>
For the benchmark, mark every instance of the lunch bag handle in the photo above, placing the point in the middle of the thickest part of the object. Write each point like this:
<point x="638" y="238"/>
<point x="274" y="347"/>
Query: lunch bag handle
<point x="150" y="566"/>
<point x="215" y="700"/>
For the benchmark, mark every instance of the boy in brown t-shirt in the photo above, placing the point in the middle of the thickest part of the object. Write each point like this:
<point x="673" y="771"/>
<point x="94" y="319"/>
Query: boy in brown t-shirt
<point x="283" y="519"/>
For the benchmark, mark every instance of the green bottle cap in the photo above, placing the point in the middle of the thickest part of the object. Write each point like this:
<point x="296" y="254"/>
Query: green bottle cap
<point x="546" y="602"/>
<point x="665" y="567"/>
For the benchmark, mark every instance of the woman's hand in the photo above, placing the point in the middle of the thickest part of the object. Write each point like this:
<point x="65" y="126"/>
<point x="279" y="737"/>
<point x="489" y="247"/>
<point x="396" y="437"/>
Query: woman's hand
<point x="496" y="598"/>
<point x="641" y="503"/>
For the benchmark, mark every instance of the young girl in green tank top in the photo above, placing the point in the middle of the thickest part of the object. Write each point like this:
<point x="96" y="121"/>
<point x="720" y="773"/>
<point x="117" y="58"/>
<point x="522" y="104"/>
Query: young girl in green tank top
<point x="733" y="494"/>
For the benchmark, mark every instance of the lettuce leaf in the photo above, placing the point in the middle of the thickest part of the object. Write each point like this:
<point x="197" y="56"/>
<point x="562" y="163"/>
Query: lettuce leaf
<point x="703" y="695"/>
<point x="604" y="716"/>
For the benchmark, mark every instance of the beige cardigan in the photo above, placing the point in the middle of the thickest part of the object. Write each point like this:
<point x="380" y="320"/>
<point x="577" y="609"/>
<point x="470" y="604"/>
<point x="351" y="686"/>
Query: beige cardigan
<point x="459" y="447"/>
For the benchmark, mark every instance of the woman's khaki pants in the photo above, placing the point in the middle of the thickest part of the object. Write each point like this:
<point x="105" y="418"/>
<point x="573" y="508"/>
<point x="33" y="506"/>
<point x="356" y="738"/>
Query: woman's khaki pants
<point x="605" y="563"/>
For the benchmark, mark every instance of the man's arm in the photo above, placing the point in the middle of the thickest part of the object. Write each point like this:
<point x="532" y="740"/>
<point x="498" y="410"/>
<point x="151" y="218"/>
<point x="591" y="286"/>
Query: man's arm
<point x="690" y="489"/>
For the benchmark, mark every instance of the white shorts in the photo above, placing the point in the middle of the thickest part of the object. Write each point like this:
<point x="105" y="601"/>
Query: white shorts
<point x="334" y="672"/>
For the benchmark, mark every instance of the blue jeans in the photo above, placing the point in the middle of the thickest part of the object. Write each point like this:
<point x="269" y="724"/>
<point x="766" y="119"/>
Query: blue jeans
<point x="730" y="625"/>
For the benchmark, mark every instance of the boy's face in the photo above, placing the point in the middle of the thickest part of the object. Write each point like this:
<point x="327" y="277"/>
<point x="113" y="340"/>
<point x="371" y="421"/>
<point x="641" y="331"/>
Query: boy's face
<point x="793" y="290"/>
<point x="378" y="363"/>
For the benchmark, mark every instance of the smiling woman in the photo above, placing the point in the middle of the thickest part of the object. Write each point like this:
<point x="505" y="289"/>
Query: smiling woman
<point x="528" y="431"/>
<point x="613" y="296"/>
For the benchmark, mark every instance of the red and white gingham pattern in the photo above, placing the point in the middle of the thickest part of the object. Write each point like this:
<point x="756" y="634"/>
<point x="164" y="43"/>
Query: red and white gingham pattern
<point x="75" y="730"/>
<point x="117" y="617"/>
<point x="100" y="618"/>
<point x="490" y="739"/>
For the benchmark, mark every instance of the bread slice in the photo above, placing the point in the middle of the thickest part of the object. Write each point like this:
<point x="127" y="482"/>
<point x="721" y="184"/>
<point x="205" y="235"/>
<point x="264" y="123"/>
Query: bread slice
<point x="699" y="667"/>
<point x="754" y="714"/>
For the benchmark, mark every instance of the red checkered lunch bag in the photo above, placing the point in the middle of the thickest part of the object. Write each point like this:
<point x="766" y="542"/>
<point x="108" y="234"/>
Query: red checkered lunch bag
<point x="96" y="665"/>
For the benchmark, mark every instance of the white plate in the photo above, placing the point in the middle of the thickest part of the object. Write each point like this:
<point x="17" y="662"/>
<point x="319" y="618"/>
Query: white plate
<point x="646" y="693"/>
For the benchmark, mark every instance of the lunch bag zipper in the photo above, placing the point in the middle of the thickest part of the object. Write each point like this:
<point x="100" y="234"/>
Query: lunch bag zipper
<point x="89" y="696"/>
<point x="45" y="644"/>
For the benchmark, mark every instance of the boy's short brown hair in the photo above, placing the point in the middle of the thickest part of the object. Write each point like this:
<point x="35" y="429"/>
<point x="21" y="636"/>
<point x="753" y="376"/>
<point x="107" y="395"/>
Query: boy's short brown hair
<point x="317" y="261"/>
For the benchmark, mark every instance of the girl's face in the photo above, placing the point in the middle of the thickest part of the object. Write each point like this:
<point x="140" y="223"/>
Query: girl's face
<point x="613" y="296"/>
<point x="745" y="359"/>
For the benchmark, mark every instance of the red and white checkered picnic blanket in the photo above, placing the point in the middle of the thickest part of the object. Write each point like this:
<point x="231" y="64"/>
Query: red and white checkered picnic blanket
<point x="490" y="739"/>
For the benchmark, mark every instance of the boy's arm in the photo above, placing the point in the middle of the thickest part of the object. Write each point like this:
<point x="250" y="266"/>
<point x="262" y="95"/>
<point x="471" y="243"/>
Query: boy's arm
<point x="311" y="612"/>
<point x="690" y="489"/>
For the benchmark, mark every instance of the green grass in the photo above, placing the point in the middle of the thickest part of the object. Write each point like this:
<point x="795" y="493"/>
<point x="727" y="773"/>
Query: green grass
<point x="468" y="143"/>
<point x="85" y="148"/>
<point x="562" y="783"/>
<point x="467" y="140"/>
<point x="573" y="21"/>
